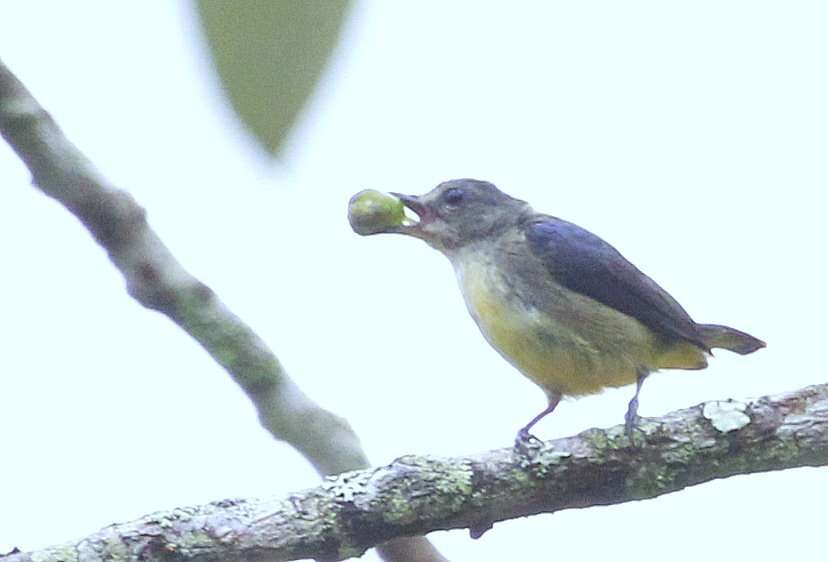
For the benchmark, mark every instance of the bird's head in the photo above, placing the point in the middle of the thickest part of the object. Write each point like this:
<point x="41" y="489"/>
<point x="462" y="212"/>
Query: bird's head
<point x="460" y="212"/>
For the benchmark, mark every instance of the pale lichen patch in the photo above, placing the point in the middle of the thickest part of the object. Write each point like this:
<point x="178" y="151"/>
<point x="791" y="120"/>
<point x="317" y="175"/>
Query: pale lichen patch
<point x="726" y="415"/>
<point x="60" y="552"/>
<point x="819" y="408"/>
<point x="551" y="456"/>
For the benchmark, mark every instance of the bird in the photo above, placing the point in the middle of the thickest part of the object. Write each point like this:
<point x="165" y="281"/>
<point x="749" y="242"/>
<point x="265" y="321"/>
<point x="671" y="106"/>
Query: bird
<point x="560" y="304"/>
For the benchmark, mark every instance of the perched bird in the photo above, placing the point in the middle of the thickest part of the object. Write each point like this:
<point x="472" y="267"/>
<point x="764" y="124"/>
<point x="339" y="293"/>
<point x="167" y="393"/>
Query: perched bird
<point x="556" y="301"/>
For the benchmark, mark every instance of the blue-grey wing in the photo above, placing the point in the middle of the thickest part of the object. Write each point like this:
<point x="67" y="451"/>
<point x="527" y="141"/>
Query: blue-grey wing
<point x="584" y="263"/>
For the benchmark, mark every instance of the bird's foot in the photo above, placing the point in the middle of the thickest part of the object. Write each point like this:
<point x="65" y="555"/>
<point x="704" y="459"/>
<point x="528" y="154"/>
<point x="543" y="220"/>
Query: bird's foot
<point x="631" y="417"/>
<point x="525" y="442"/>
<point x="631" y="428"/>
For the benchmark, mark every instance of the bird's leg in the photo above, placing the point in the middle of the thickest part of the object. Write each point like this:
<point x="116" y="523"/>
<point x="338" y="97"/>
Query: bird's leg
<point x="631" y="417"/>
<point x="523" y="436"/>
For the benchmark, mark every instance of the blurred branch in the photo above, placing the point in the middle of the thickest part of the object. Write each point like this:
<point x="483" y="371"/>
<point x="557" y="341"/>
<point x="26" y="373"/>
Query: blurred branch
<point x="414" y="495"/>
<point x="157" y="281"/>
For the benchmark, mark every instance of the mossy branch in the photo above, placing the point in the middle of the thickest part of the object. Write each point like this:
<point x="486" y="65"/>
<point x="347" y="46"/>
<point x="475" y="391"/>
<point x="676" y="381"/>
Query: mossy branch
<point x="159" y="282"/>
<point x="414" y="495"/>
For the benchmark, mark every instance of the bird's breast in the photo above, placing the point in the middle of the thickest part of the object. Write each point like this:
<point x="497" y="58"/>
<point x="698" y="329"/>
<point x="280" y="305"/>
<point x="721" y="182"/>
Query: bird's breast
<point x="544" y="345"/>
<point x="503" y="321"/>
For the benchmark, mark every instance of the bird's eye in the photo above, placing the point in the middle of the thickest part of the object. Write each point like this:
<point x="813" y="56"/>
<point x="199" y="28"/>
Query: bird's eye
<point x="453" y="196"/>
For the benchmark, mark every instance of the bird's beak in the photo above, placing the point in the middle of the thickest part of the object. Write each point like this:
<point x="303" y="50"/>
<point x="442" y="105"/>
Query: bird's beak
<point x="413" y="227"/>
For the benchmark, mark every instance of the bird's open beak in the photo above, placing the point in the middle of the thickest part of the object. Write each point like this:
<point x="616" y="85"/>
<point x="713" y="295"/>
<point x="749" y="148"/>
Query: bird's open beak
<point x="413" y="226"/>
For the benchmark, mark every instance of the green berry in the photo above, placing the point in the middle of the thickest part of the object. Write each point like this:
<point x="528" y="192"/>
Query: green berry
<point x="372" y="212"/>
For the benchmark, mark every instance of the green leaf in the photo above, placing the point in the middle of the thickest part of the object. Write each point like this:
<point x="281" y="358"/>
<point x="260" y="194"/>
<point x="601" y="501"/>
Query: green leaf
<point x="269" y="55"/>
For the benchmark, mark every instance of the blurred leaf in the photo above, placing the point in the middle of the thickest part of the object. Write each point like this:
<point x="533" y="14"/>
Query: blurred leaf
<point x="269" y="55"/>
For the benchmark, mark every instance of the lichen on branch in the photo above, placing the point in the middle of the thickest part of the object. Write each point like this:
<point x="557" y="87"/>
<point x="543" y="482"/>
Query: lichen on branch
<point x="414" y="495"/>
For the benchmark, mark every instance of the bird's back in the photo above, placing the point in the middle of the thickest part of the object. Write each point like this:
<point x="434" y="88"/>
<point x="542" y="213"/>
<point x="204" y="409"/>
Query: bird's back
<point x="555" y="336"/>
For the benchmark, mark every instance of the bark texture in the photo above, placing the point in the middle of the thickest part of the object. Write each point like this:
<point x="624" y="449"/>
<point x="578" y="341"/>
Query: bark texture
<point x="414" y="495"/>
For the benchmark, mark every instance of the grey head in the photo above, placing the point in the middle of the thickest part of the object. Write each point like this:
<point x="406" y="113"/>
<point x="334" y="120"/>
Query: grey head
<point x="460" y="212"/>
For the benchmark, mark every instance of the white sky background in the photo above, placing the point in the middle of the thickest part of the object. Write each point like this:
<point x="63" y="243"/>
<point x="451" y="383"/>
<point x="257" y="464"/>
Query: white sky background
<point x="691" y="136"/>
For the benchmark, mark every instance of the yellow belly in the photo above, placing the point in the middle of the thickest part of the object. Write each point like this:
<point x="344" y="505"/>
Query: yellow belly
<point x="575" y="346"/>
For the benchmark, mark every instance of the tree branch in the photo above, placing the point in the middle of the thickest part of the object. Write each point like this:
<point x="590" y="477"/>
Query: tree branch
<point x="415" y="495"/>
<point x="158" y="281"/>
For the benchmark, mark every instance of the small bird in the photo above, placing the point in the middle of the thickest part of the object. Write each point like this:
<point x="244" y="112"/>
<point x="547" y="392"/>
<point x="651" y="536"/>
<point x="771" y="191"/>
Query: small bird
<point x="556" y="301"/>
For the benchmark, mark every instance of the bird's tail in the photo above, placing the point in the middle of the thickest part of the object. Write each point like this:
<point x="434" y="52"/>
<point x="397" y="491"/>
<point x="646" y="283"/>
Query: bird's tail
<point x="731" y="339"/>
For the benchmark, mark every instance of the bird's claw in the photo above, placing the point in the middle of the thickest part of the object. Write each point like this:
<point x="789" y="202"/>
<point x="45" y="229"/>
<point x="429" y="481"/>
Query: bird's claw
<point x="525" y="441"/>
<point x="631" y="428"/>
